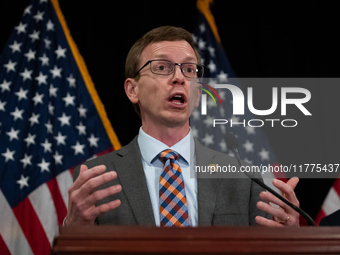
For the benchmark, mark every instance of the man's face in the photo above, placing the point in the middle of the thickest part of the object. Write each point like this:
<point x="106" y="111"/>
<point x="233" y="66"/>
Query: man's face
<point x="164" y="99"/>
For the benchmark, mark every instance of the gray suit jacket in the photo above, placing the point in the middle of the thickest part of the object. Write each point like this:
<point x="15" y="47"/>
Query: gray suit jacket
<point x="221" y="201"/>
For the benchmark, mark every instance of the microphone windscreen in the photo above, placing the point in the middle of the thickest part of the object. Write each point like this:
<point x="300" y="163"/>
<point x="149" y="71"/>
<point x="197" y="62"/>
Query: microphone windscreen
<point x="231" y="140"/>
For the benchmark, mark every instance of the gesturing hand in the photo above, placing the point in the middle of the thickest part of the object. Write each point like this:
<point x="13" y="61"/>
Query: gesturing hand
<point x="83" y="195"/>
<point x="284" y="215"/>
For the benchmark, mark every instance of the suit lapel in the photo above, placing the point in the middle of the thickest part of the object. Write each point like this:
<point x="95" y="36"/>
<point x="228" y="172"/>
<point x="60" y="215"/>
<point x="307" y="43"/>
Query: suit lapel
<point x="206" y="187"/>
<point x="130" y="172"/>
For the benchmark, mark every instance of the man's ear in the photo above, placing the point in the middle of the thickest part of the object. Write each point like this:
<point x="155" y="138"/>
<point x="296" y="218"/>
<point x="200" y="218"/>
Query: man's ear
<point x="131" y="90"/>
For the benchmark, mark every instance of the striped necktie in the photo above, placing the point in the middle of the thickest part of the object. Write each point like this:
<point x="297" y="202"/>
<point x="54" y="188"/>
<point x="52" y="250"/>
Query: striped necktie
<point x="173" y="207"/>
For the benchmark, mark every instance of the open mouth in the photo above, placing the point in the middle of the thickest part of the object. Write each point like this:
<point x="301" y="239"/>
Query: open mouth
<point x="177" y="99"/>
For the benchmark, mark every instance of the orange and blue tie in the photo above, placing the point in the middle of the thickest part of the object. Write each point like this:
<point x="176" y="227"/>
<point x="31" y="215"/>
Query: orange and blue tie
<point x="173" y="206"/>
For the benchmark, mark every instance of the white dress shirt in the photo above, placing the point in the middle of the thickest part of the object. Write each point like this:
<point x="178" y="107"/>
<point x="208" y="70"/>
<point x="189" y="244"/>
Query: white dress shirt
<point x="153" y="168"/>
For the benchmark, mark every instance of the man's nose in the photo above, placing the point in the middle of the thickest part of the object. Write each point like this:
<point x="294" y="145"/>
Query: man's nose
<point x="178" y="76"/>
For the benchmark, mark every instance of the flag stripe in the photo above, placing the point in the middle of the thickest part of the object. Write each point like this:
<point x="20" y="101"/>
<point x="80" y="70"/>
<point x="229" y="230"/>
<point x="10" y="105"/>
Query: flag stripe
<point x="320" y="215"/>
<point x="336" y="185"/>
<point x="59" y="205"/>
<point x="11" y="231"/>
<point x="71" y="171"/>
<point x="31" y="227"/>
<point x="42" y="202"/>
<point x="64" y="181"/>
<point x="331" y="202"/>
<point x="3" y="247"/>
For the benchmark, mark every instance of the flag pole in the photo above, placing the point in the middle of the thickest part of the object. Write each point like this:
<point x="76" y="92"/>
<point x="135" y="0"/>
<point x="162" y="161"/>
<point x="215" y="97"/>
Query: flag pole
<point x="204" y="7"/>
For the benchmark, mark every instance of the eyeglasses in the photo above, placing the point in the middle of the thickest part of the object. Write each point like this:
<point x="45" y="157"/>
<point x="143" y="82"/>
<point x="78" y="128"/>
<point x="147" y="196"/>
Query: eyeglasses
<point x="167" y="67"/>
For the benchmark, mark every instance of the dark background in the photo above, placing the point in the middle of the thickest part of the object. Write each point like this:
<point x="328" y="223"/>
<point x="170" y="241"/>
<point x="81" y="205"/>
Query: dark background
<point x="261" y="39"/>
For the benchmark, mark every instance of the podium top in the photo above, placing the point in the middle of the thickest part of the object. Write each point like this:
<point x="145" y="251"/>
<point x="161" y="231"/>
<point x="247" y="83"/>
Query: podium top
<point x="206" y="240"/>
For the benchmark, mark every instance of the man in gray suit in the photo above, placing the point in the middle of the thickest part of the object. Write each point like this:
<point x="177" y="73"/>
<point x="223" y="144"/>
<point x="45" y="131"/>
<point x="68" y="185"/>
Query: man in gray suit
<point x="122" y="187"/>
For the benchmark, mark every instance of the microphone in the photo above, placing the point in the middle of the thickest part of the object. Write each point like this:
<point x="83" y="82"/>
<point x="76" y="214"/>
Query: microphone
<point x="232" y="144"/>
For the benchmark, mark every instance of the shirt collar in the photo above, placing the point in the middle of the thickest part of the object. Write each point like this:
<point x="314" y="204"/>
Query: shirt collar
<point x="151" y="147"/>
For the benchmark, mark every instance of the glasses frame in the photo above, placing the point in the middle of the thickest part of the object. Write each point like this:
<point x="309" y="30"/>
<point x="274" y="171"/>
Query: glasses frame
<point x="175" y="64"/>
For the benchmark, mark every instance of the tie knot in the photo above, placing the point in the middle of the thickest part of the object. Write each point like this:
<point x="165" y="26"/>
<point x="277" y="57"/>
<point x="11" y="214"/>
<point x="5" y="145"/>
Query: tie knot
<point x="168" y="154"/>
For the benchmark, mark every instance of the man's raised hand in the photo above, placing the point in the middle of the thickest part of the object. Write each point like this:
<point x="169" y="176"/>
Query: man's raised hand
<point x="83" y="195"/>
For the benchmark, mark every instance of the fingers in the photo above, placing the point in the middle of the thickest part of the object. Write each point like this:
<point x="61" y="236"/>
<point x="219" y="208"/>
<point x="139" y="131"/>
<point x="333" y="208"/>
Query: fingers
<point x="293" y="182"/>
<point x="93" y="212"/>
<point x="106" y="207"/>
<point x="85" y="174"/>
<point x="287" y="189"/>
<point x="268" y="197"/>
<point x="279" y="213"/>
<point x="92" y="184"/>
<point x="90" y="179"/>
<point x="83" y="195"/>
<point x="83" y="168"/>
<point x="85" y="211"/>
<point x="284" y="215"/>
<point x="100" y="194"/>
<point x="265" y="222"/>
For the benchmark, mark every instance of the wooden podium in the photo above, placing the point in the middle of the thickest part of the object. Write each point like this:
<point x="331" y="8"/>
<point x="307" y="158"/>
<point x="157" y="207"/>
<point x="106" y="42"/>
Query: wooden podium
<point x="200" y="240"/>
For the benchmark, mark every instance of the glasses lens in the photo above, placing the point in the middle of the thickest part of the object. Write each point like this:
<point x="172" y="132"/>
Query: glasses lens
<point x="192" y="70"/>
<point x="162" y="67"/>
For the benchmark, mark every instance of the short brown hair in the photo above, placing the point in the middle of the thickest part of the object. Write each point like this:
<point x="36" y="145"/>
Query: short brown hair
<point x="164" y="33"/>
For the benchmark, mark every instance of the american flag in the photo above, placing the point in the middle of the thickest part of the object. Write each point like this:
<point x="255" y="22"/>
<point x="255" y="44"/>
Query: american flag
<point x="253" y="144"/>
<point x="331" y="202"/>
<point x="51" y="120"/>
